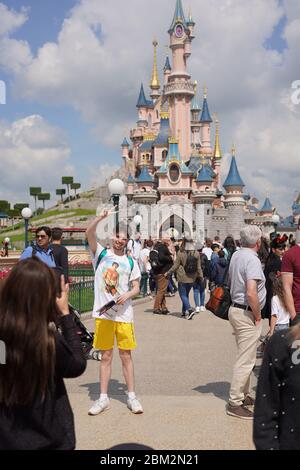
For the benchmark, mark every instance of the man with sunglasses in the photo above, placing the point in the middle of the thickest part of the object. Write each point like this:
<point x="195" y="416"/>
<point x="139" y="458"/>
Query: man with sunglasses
<point x="117" y="281"/>
<point x="40" y="248"/>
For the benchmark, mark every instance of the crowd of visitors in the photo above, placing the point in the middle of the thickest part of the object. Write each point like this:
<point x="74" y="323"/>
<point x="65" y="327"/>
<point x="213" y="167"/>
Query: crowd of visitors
<point x="264" y="283"/>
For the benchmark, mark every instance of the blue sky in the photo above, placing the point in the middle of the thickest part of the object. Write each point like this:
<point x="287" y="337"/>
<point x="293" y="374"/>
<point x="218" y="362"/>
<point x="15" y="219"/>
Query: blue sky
<point x="88" y="145"/>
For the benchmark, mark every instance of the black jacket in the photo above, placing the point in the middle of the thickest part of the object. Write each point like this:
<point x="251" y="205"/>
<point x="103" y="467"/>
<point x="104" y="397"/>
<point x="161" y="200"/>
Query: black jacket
<point x="273" y="265"/>
<point x="47" y="425"/>
<point x="165" y="258"/>
<point x="60" y="254"/>
<point x="277" y="405"/>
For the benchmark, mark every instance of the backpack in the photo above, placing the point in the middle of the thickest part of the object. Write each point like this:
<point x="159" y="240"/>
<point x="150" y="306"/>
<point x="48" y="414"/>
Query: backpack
<point x="220" y="298"/>
<point x="190" y="266"/>
<point x="104" y="252"/>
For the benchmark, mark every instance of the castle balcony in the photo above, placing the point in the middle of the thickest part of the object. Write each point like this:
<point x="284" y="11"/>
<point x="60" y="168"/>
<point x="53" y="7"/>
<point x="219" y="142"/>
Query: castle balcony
<point x="181" y="87"/>
<point x="145" y="197"/>
<point x="203" y="197"/>
<point x="137" y="133"/>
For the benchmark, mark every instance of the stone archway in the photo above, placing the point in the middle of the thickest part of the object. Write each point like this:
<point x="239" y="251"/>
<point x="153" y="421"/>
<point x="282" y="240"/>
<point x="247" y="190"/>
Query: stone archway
<point x="176" y="222"/>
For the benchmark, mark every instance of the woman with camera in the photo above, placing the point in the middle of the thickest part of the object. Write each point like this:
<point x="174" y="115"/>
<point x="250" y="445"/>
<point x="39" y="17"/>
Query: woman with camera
<point x="35" y="412"/>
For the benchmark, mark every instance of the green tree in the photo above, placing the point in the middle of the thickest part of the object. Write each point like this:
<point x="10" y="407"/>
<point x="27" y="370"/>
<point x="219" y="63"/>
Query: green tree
<point x="4" y="206"/>
<point x="44" y="197"/>
<point x="34" y="192"/>
<point x="13" y="214"/>
<point x="61" y="192"/>
<point x="20" y="206"/>
<point x="75" y="186"/>
<point x="67" y="180"/>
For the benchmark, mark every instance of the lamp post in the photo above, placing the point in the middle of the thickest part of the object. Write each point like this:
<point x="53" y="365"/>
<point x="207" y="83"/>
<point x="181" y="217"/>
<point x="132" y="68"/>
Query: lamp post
<point x="26" y="214"/>
<point x="275" y="220"/>
<point x="137" y="219"/>
<point x="116" y="188"/>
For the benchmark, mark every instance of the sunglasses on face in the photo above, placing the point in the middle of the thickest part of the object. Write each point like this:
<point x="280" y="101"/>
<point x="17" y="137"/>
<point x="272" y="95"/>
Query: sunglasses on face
<point x="40" y="236"/>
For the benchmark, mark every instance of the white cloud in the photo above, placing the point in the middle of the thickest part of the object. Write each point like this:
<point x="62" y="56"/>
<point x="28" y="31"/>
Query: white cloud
<point x="32" y="153"/>
<point x="11" y="20"/>
<point x="101" y="174"/>
<point x="104" y="51"/>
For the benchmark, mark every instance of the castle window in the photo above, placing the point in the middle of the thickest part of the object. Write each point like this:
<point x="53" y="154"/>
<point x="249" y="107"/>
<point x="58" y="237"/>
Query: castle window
<point x="156" y="114"/>
<point x="208" y="212"/>
<point x="174" y="173"/>
<point x="149" y="121"/>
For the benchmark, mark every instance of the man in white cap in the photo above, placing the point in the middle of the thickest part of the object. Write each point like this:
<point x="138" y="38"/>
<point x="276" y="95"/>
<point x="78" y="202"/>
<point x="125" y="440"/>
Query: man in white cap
<point x="290" y="269"/>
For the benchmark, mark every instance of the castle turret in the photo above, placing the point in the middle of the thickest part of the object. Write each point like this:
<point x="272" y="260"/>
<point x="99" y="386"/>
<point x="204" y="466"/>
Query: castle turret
<point x="217" y="156"/>
<point x="205" y="121"/>
<point x="155" y="85"/>
<point x="125" y="151"/>
<point x="267" y="208"/>
<point x="234" y="199"/>
<point x="179" y="89"/>
<point x="195" y="122"/>
<point x="142" y="105"/>
<point x="167" y="70"/>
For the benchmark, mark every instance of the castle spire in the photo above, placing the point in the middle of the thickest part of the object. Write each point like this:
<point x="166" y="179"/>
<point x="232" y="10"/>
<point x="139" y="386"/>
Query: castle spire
<point x="205" y="116"/>
<point x="217" y="151"/>
<point x="142" y="102"/>
<point x="233" y="178"/>
<point x="178" y="16"/>
<point x="155" y="85"/>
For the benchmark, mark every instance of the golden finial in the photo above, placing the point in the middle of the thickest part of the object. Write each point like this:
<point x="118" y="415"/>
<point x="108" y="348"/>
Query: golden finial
<point x="233" y="150"/>
<point x="205" y="91"/>
<point x="190" y="13"/>
<point x="217" y="151"/>
<point x="155" y="85"/>
<point x="195" y="85"/>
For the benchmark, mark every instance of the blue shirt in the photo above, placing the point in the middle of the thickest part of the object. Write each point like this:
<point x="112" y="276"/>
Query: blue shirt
<point x="44" y="255"/>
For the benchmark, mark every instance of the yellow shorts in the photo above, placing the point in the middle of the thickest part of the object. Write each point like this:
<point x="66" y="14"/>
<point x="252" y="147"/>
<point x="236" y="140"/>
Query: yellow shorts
<point x="106" y="330"/>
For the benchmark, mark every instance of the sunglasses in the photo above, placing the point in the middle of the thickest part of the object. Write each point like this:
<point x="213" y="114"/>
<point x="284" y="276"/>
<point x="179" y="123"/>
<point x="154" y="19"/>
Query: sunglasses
<point x="40" y="236"/>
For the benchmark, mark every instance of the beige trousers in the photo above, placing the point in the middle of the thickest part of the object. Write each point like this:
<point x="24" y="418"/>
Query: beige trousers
<point x="246" y="336"/>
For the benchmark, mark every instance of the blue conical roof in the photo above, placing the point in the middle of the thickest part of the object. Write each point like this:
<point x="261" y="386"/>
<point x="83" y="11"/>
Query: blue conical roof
<point x="233" y="178"/>
<point x="130" y="179"/>
<point x="205" y="116"/>
<point x="145" y="176"/>
<point x="142" y="102"/>
<point x="167" y="64"/>
<point x="267" y="206"/>
<point x="125" y="143"/>
<point x="164" y="132"/>
<point x="204" y="175"/>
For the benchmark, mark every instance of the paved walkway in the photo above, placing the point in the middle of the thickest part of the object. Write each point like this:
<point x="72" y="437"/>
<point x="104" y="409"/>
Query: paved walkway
<point x="183" y="371"/>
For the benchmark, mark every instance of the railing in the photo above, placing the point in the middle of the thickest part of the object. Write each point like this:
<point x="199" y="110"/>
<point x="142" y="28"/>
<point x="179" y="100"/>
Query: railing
<point x="81" y="295"/>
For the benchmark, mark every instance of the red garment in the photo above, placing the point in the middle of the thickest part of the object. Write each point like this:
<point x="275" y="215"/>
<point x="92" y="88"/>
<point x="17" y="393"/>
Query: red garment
<point x="291" y="264"/>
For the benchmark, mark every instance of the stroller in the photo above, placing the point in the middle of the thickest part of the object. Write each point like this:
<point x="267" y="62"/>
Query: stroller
<point x="86" y="337"/>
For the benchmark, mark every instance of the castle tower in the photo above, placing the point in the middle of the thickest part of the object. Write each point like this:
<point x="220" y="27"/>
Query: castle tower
<point x="142" y="105"/>
<point x="155" y="85"/>
<point x="167" y="71"/>
<point x="195" y="123"/>
<point x="205" y="121"/>
<point x="217" y="156"/>
<point x="267" y="208"/>
<point x="234" y="199"/>
<point x="125" y="152"/>
<point x="179" y="89"/>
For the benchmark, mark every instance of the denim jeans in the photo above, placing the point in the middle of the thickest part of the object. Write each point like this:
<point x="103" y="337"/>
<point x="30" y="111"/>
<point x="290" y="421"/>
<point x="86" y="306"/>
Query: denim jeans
<point x="281" y="327"/>
<point x="184" y="290"/>
<point x="144" y="283"/>
<point x="199" y="294"/>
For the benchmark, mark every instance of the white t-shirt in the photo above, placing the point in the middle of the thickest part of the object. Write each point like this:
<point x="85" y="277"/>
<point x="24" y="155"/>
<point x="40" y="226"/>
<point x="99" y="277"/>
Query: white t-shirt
<point x="112" y="279"/>
<point x="283" y="317"/>
<point x="135" y="247"/>
<point x="208" y="252"/>
<point x="144" y="254"/>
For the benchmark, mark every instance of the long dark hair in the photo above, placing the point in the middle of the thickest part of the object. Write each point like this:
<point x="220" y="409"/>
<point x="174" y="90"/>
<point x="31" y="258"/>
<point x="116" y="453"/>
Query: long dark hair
<point x="27" y="309"/>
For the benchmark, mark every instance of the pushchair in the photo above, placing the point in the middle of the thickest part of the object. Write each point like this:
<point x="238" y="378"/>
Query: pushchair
<point x="86" y="337"/>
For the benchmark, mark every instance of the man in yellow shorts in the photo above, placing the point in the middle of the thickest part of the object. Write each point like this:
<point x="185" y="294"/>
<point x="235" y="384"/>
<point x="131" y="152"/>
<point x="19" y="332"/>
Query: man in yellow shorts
<point x="116" y="322"/>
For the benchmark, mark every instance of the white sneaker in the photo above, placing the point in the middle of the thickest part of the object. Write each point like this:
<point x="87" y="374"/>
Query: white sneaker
<point x="99" y="406"/>
<point x="202" y="308"/>
<point x="134" y="406"/>
<point x="197" y="309"/>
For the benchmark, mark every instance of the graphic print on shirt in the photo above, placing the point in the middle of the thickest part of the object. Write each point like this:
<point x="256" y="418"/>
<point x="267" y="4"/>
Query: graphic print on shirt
<point x="111" y="279"/>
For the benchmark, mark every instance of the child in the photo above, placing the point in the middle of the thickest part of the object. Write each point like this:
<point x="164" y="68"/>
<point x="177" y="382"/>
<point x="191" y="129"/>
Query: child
<point x="280" y="317"/>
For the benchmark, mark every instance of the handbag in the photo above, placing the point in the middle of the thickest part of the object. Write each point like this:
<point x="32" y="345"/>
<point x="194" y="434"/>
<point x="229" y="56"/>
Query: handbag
<point x="220" y="298"/>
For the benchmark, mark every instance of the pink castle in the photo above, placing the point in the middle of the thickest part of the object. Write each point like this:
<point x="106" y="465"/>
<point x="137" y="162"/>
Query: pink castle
<point x="172" y="160"/>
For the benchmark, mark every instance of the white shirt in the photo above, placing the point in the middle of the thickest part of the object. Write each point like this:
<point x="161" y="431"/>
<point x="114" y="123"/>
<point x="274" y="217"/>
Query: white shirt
<point x="135" y="247"/>
<point x="112" y="279"/>
<point x="144" y="254"/>
<point x="208" y="252"/>
<point x="283" y="317"/>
